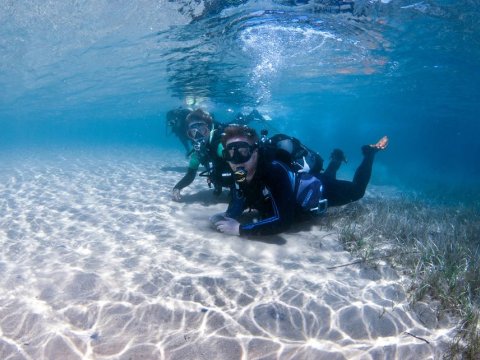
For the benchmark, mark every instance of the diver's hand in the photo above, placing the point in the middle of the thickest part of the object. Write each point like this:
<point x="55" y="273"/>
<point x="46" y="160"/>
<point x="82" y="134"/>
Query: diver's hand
<point x="176" y="195"/>
<point x="216" y="218"/>
<point x="228" y="226"/>
<point x="305" y="168"/>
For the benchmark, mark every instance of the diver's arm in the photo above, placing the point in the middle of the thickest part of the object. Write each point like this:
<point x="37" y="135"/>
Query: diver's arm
<point x="187" y="179"/>
<point x="280" y="181"/>
<point x="226" y="222"/>
<point x="236" y="205"/>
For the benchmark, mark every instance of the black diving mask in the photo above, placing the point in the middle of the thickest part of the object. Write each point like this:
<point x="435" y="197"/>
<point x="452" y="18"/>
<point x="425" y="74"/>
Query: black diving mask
<point x="238" y="152"/>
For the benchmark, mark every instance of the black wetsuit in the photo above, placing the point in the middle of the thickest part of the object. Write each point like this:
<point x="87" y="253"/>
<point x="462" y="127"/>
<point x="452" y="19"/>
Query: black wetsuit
<point x="341" y="192"/>
<point x="272" y="193"/>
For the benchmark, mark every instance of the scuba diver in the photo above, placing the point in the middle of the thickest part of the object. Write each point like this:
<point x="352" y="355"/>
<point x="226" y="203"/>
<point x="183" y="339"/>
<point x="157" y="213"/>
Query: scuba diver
<point x="176" y="121"/>
<point x="280" y="193"/>
<point x="245" y="119"/>
<point x="205" y="134"/>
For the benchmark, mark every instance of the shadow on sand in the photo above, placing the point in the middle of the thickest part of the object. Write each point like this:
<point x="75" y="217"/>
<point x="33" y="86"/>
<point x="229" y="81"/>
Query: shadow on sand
<point x="179" y="169"/>
<point x="206" y="197"/>
<point x="270" y="239"/>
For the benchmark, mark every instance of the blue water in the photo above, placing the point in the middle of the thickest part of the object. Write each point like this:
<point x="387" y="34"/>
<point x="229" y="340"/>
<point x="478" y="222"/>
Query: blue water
<point x="333" y="73"/>
<point x="97" y="261"/>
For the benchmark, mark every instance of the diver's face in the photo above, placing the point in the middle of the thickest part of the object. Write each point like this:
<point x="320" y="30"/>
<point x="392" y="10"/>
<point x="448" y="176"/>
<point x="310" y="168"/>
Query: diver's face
<point x="240" y="153"/>
<point x="198" y="131"/>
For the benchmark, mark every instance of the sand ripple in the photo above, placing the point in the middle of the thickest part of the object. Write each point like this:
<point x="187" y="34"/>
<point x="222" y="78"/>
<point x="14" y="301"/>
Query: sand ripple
<point x="96" y="262"/>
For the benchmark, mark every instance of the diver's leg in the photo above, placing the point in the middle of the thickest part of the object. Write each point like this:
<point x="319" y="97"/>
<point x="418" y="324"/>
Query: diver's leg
<point x="336" y="159"/>
<point x="340" y="192"/>
<point x="364" y="171"/>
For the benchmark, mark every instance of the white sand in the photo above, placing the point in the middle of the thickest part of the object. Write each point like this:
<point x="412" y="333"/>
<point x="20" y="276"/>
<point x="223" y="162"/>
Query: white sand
<point x="97" y="262"/>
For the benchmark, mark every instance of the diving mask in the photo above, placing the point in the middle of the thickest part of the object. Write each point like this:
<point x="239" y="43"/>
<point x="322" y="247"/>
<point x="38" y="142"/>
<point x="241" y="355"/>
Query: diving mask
<point x="197" y="130"/>
<point x="238" y="152"/>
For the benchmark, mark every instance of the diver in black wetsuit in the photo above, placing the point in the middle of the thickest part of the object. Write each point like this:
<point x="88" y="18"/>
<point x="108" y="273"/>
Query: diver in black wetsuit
<point x="269" y="185"/>
<point x="245" y="119"/>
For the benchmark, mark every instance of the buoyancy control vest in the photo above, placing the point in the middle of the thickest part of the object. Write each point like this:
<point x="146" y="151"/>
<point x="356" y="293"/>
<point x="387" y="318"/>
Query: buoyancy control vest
<point x="306" y="165"/>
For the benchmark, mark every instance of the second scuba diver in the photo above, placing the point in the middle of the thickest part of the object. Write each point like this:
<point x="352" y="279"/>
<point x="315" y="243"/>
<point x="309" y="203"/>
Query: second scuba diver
<point x="205" y="134"/>
<point x="176" y="121"/>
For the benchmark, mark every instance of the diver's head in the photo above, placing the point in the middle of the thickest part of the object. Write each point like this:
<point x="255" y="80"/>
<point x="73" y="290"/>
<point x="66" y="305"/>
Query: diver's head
<point x="241" y="149"/>
<point x="176" y="118"/>
<point x="199" y="124"/>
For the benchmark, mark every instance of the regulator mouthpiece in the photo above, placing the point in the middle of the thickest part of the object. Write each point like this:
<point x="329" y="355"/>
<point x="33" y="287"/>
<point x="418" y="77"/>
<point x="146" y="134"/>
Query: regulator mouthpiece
<point x="198" y="145"/>
<point x="240" y="175"/>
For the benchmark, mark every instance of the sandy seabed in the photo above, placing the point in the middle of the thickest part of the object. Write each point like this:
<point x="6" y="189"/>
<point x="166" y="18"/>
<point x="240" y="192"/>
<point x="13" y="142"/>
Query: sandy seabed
<point x="96" y="262"/>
